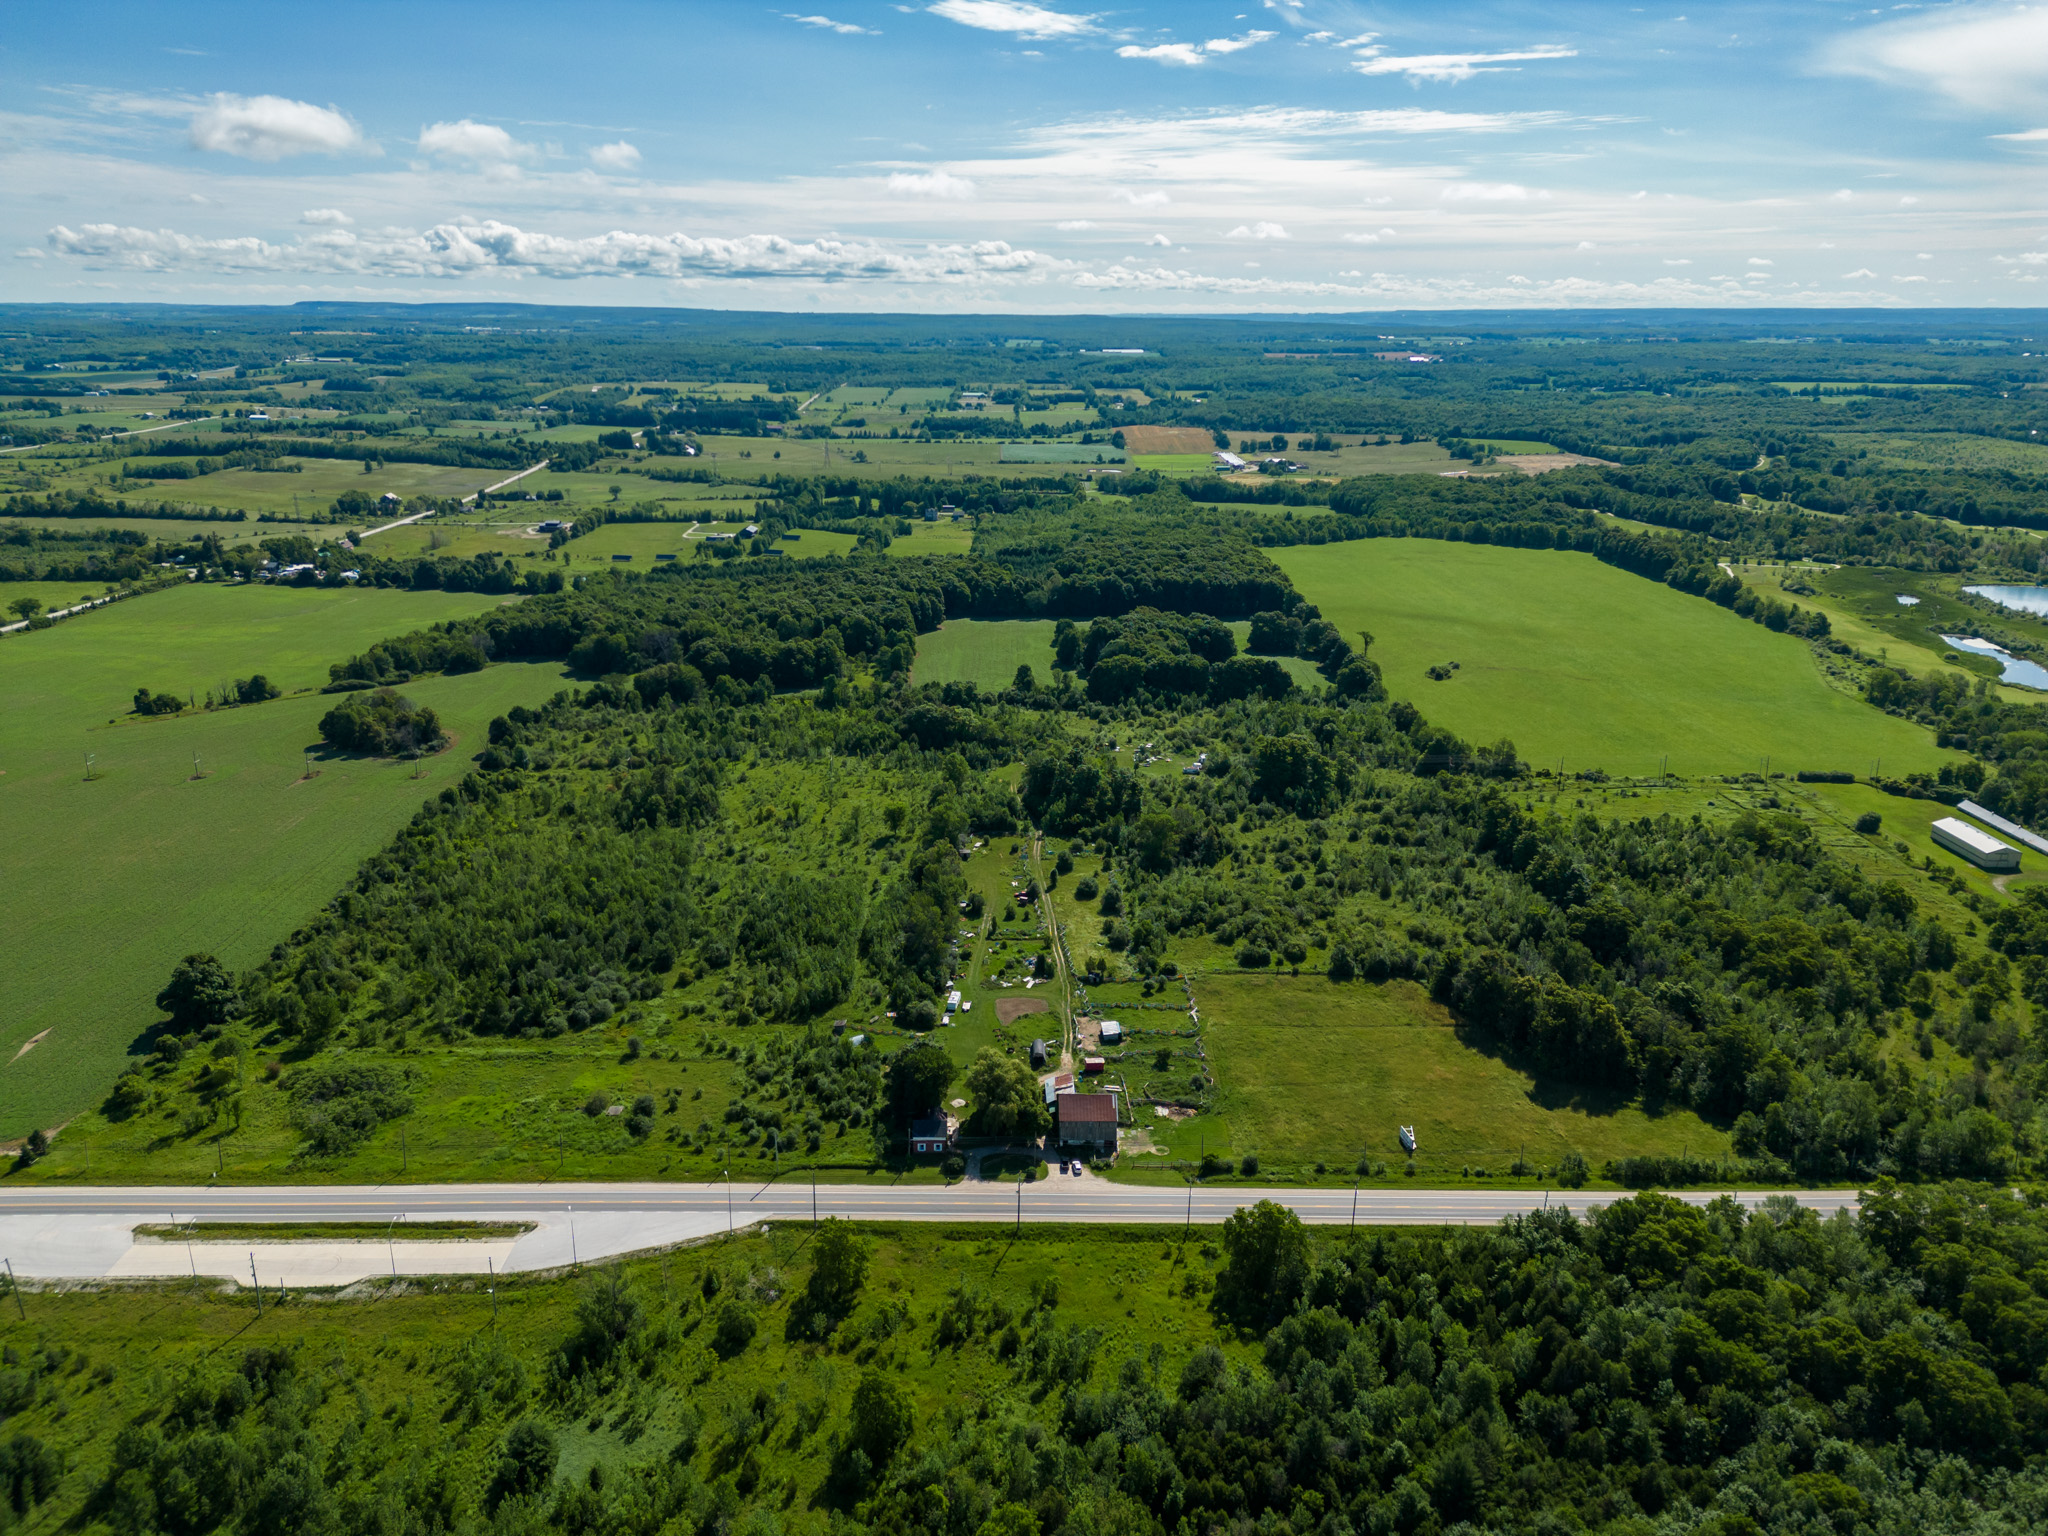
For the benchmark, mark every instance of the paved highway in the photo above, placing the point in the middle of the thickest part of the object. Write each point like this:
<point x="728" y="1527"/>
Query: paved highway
<point x="88" y="1232"/>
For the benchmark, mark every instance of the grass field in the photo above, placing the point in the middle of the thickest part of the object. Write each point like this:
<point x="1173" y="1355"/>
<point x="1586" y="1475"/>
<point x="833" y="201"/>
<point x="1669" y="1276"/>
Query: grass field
<point x="985" y="652"/>
<point x="51" y="594"/>
<point x="107" y="883"/>
<point x="947" y="538"/>
<point x="1579" y="661"/>
<point x="406" y="1360"/>
<point x="1308" y="1071"/>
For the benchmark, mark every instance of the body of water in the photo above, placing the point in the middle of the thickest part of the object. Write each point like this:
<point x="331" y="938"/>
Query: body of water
<point x="2027" y="674"/>
<point x="2032" y="600"/>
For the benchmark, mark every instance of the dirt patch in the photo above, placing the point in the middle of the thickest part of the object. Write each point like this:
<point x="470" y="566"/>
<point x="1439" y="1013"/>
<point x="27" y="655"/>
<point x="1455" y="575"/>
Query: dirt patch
<point x="1010" y="1009"/>
<point x="1537" y="463"/>
<point x="29" y="1044"/>
<point x="1168" y="440"/>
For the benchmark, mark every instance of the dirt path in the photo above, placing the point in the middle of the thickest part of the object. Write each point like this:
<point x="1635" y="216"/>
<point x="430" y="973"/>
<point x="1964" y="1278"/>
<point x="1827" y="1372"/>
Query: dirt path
<point x="1050" y="917"/>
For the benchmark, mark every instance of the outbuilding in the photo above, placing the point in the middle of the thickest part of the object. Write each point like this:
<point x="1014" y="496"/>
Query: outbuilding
<point x="1112" y="1032"/>
<point x="930" y="1134"/>
<point x="1093" y="1066"/>
<point x="1087" y="1120"/>
<point x="1979" y="847"/>
<point x="1037" y="1055"/>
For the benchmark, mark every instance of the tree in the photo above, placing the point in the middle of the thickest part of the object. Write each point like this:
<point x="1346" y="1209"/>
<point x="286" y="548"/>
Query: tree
<point x="882" y="1418"/>
<point x="201" y="992"/>
<point x="1025" y="681"/>
<point x="27" y="607"/>
<point x="1266" y="1264"/>
<point x="840" y="1269"/>
<point x="529" y="1459"/>
<point x="918" y="1079"/>
<point x="1008" y="1100"/>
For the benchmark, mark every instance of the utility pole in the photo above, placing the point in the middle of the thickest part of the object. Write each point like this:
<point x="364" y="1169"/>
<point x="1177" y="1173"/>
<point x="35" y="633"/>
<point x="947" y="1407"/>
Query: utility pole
<point x="14" y="1285"/>
<point x="254" y="1286"/>
<point x="574" y="1256"/>
<point x="491" y="1266"/>
<point x="1354" y="1201"/>
<point x="814" y="1198"/>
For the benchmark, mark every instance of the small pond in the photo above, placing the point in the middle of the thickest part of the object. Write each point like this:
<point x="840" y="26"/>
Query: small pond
<point x="2032" y="600"/>
<point x="2026" y="674"/>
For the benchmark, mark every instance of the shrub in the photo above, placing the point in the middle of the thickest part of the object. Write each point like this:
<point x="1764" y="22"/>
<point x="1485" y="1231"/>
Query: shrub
<point x="337" y="1107"/>
<point x="147" y="703"/>
<point x="1869" y="821"/>
<point x="1572" y="1171"/>
<point x="735" y="1330"/>
<point x="1253" y="956"/>
<point x="1250" y="1165"/>
<point x="381" y="723"/>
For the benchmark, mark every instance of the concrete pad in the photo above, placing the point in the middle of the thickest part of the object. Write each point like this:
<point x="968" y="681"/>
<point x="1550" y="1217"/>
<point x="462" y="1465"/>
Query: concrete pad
<point x="307" y="1264"/>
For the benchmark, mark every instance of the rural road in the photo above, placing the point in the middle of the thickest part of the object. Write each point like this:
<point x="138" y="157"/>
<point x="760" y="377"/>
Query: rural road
<point x="87" y="1233"/>
<point x="162" y="426"/>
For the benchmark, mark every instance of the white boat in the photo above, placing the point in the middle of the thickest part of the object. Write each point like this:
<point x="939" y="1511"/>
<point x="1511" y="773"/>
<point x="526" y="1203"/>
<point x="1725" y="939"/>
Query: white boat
<point x="1408" y="1139"/>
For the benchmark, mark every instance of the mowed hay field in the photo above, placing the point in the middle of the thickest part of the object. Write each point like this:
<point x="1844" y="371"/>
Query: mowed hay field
<point x="985" y="652"/>
<point x="1307" y="1071"/>
<point x="1576" y="660"/>
<point x="108" y="883"/>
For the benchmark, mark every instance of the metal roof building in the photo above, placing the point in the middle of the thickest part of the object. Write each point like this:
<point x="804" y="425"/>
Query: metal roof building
<point x="1980" y="848"/>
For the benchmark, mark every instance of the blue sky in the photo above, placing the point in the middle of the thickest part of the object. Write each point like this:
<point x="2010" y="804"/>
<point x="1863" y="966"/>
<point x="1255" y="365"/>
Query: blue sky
<point x="996" y="155"/>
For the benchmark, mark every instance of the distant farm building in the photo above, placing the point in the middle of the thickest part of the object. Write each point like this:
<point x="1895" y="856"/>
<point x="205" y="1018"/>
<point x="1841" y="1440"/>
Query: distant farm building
<point x="1980" y="848"/>
<point x="1087" y="1120"/>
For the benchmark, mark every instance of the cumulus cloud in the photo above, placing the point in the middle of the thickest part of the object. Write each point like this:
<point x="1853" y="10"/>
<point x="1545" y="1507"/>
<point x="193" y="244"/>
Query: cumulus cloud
<point x="1490" y="192"/>
<point x="1450" y="68"/>
<point x="621" y="157"/>
<point x="454" y="250"/>
<point x="1981" y="56"/>
<point x="483" y="144"/>
<point x="939" y="184"/>
<point x="1677" y="261"/>
<point x="325" y="217"/>
<point x="1265" y="229"/>
<point x="1195" y="53"/>
<point x="1032" y="21"/>
<point x="1159" y="240"/>
<point x="1070" y="225"/>
<point x="826" y="23"/>
<point x="1139" y="199"/>
<point x="271" y="128"/>
<point x="1859" y="272"/>
<point x="1361" y="237"/>
<point x="1842" y="196"/>
<point x="1761" y="261"/>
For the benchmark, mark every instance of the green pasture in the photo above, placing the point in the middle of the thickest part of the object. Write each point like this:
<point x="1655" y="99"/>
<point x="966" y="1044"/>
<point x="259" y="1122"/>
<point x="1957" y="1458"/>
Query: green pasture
<point x="1308" y="1071"/>
<point x="1575" y="660"/>
<point x="176" y="530"/>
<point x="51" y="594"/>
<point x="109" y="882"/>
<point x="985" y="652"/>
<point x="1175" y="464"/>
<point x="1945" y="450"/>
<point x="312" y="490"/>
<point x="463" y="538"/>
<point x="947" y="538"/>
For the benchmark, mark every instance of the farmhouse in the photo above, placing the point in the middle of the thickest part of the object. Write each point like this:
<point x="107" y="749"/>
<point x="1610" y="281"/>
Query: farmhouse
<point x="1087" y="1120"/>
<point x="1980" y="848"/>
<point x="930" y="1133"/>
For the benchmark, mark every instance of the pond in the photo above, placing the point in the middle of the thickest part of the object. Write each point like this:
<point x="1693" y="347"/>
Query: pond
<point x="2032" y="600"/>
<point x="2026" y="674"/>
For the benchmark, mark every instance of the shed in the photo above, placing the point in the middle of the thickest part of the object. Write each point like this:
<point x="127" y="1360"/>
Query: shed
<point x="1112" y="1032"/>
<point x="1979" y="847"/>
<point x="1087" y="1119"/>
<point x="930" y="1133"/>
<point x="1038" y="1054"/>
<point x="1093" y="1066"/>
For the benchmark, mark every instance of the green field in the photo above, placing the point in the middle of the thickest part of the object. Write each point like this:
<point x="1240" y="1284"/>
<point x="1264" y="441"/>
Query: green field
<point x="985" y="652"/>
<point x="1579" y="661"/>
<point x="109" y="882"/>
<point x="1307" y="1071"/>
<point x="51" y="594"/>
<point x="1946" y="450"/>
<point x="947" y="538"/>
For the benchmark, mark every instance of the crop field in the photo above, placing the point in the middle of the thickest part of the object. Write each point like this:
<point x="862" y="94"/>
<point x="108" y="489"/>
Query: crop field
<point x="311" y="490"/>
<point x="1175" y="464"/>
<point x="110" y="881"/>
<point x="1308" y="1071"/>
<point x="1579" y="661"/>
<point x="985" y="652"/>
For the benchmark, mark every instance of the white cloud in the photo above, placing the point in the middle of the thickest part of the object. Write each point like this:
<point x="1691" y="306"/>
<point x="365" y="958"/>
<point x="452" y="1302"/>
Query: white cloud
<point x="1677" y="261"/>
<point x="1490" y="192"/>
<point x="1451" y="67"/>
<point x="1074" y="224"/>
<point x="844" y="28"/>
<point x="1761" y="261"/>
<point x="325" y="216"/>
<point x="620" y="157"/>
<point x="467" y="249"/>
<point x="1587" y="245"/>
<point x="1910" y="278"/>
<point x="1139" y="199"/>
<point x="1859" y="272"/>
<point x="1908" y="200"/>
<point x="1923" y="256"/>
<point x="483" y="144"/>
<point x="2024" y="259"/>
<point x="1163" y="53"/>
<point x="1361" y="237"/>
<point x="1159" y="240"/>
<point x="2031" y="136"/>
<point x="1263" y="230"/>
<point x="1237" y="44"/>
<point x="271" y="127"/>
<point x="939" y="184"/>
<point x="1981" y="56"/>
<point x="1843" y="196"/>
<point x="1032" y="21"/>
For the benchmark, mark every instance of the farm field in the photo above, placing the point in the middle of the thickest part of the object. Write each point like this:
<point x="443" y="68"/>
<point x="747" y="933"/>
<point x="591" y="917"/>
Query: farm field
<point x="51" y="594"/>
<point x="313" y="489"/>
<point x="1579" y="661"/>
<point x="110" y="882"/>
<point x="1307" y="1071"/>
<point x="985" y="652"/>
<point x="1945" y="450"/>
<point x="924" y="538"/>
